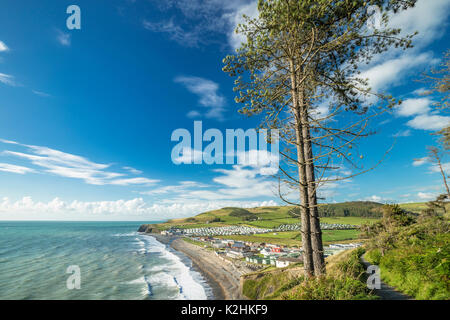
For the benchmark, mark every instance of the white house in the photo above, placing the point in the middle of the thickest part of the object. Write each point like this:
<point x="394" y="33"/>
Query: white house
<point x="286" y="261"/>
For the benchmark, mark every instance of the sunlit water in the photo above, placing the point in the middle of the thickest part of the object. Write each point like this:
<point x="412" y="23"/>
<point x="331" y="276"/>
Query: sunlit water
<point x="115" y="263"/>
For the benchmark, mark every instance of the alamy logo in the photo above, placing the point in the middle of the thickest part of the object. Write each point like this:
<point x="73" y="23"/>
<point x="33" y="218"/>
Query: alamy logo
<point x="74" y="281"/>
<point x="74" y="20"/>
<point x="374" y="279"/>
<point x="249" y="147"/>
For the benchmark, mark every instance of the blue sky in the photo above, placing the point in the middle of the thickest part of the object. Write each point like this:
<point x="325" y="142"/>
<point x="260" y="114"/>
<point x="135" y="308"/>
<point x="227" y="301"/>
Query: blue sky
<point x="86" y="115"/>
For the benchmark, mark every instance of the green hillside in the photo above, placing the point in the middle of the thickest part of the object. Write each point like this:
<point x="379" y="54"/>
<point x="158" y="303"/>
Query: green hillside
<point x="355" y="213"/>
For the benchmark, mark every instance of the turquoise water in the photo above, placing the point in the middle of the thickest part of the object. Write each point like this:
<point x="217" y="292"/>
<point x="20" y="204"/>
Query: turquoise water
<point x="115" y="263"/>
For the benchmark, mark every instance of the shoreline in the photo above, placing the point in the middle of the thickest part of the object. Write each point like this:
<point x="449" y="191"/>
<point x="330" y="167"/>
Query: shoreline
<point x="221" y="276"/>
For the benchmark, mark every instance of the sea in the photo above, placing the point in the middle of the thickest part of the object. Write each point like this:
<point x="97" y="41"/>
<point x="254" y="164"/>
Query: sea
<point x="92" y="261"/>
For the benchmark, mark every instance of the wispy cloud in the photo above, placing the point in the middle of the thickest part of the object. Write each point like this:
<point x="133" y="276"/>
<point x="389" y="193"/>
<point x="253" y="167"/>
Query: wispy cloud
<point x="391" y="72"/>
<point x="6" y="167"/>
<point x="429" y="18"/>
<point x="132" y="170"/>
<point x="208" y="94"/>
<point x="196" y="22"/>
<point x="7" y="79"/>
<point x="402" y="133"/>
<point x="63" y="38"/>
<point x="68" y="165"/>
<point x="3" y="47"/>
<point x="40" y="93"/>
<point x="193" y="114"/>
<point x="420" y="161"/>
<point x="133" y="181"/>
<point x="175" y="32"/>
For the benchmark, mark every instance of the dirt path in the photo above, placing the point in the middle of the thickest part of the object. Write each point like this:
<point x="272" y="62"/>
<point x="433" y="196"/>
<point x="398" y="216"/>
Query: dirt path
<point x="386" y="292"/>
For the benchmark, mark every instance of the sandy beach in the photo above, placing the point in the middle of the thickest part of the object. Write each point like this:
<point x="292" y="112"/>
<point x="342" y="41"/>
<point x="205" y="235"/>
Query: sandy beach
<point x="222" y="275"/>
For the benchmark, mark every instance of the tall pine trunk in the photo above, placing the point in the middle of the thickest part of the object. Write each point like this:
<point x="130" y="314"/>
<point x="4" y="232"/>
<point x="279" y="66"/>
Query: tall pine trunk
<point x="303" y="186"/>
<point x="316" y="232"/>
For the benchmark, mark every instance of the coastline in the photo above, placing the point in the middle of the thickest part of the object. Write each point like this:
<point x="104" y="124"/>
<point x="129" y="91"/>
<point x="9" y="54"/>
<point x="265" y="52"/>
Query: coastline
<point x="222" y="276"/>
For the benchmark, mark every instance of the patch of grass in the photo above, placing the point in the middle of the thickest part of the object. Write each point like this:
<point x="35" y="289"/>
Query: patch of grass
<point x="329" y="236"/>
<point x="345" y="280"/>
<point x="421" y="271"/>
<point x="413" y="253"/>
<point x="349" y="220"/>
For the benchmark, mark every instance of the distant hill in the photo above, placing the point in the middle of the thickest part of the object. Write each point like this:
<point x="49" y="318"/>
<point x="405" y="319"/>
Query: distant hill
<point x="272" y="217"/>
<point x="352" y="209"/>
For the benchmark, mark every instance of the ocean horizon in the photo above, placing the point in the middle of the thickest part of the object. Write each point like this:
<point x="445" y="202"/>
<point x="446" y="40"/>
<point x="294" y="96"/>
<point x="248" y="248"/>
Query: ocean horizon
<point x="115" y="262"/>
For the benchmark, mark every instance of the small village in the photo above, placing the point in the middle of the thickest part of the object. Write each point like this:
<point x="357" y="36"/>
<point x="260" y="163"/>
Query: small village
<point x="253" y="255"/>
<point x="260" y="255"/>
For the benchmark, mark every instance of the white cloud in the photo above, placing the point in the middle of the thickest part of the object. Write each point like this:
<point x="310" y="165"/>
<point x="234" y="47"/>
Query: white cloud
<point x="134" y="209"/>
<point x="402" y="133"/>
<point x="445" y="168"/>
<point x="193" y="114"/>
<point x="132" y="170"/>
<point x="7" y="79"/>
<point x="236" y="17"/>
<point x="420" y="161"/>
<point x="3" y="47"/>
<point x="391" y="72"/>
<point x="73" y="166"/>
<point x="248" y="180"/>
<point x="426" y="196"/>
<point x="411" y="107"/>
<point x="208" y="94"/>
<point x="189" y="156"/>
<point x="197" y="22"/>
<point x="427" y="17"/>
<point x="374" y="198"/>
<point x="8" y="141"/>
<point x="182" y="187"/>
<point x="40" y="93"/>
<point x="15" y="169"/>
<point x="429" y="122"/>
<point x="389" y="69"/>
<point x="205" y="89"/>
<point x="133" y="181"/>
<point x="420" y="92"/>
<point x="175" y="32"/>
<point x="63" y="38"/>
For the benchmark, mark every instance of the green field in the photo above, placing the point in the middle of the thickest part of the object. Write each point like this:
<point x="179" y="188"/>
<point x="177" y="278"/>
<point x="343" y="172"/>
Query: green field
<point x="353" y="213"/>
<point x="270" y="217"/>
<point x="416" y="207"/>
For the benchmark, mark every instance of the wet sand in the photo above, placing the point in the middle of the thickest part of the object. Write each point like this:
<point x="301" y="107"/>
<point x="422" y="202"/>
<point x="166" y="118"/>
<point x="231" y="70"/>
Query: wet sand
<point x="222" y="276"/>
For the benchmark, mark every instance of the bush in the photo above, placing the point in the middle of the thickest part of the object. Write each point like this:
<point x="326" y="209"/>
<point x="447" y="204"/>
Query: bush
<point x="330" y="288"/>
<point x="345" y="281"/>
<point x="373" y="256"/>
<point x="413" y="255"/>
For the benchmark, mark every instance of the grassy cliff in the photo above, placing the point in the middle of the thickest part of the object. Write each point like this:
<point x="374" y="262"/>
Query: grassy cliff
<point x="345" y="280"/>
